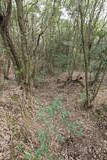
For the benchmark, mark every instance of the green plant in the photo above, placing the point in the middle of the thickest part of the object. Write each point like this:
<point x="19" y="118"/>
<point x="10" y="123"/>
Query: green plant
<point x="65" y="115"/>
<point x="54" y="108"/>
<point x="51" y="117"/>
<point x="28" y="156"/>
<point x="44" y="145"/>
<point x="75" y="128"/>
<point x="20" y="148"/>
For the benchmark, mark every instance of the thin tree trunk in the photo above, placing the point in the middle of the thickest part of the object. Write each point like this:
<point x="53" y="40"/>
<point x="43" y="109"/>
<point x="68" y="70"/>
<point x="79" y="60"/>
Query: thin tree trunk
<point x="85" y="56"/>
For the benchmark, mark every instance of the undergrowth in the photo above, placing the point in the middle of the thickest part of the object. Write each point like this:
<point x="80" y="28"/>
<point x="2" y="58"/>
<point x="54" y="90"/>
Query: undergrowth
<point x="54" y="126"/>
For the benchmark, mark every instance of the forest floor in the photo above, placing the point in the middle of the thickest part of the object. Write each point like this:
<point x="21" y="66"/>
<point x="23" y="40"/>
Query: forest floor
<point x="51" y="124"/>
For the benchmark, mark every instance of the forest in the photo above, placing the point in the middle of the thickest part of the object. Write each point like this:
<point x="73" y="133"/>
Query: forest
<point x="53" y="79"/>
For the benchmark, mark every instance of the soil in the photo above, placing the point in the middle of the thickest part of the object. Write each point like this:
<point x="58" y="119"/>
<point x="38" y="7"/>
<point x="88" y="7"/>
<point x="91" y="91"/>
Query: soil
<point x="92" y="145"/>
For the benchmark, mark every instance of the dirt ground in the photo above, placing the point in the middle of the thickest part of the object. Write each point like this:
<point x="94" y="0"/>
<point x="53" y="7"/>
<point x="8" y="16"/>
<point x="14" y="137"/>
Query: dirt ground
<point x="91" y="145"/>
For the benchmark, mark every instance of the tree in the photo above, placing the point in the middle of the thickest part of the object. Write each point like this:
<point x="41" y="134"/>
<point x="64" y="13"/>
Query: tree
<point x="20" y="37"/>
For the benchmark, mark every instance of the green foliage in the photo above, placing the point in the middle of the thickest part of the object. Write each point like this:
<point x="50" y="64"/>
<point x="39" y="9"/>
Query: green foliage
<point x="51" y="117"/>
<point x="44" y="146"/>
<point x="61" y="61"/>
<point x="27" y="156"/>
<point x="50" y="111"/>
<point x="61" y="139"/>
<point x="20" y="148"/>
<point x="75" y="128"/>
<point x="54" y="108"/>
<point x="65" y="115"/>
